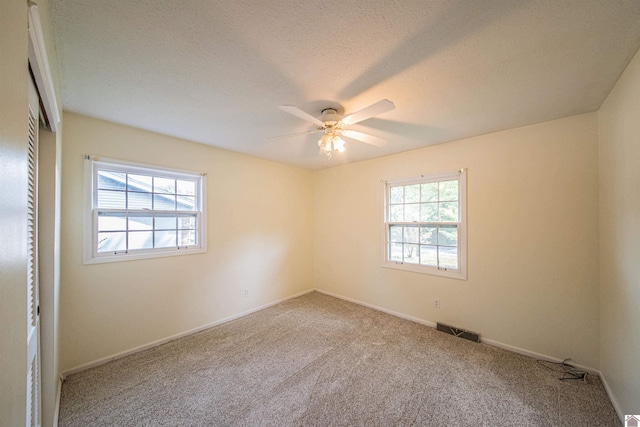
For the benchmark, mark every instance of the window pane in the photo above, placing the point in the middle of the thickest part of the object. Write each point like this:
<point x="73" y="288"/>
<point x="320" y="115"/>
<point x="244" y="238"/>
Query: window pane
<point x="141" y="240"/>
<point x="186" y="203"/>
<point x="395" y="233"/>
<point x="424" y="224"/>
<point x="448" y="235"/>
<point x="448" y="257"/>
<point x="186" y="237"/>
<point x="412" y="212"/>
<point x="112" y="242"/>
<point x="165" y="239"/>
<point x="164" y="202"/>
<point x="139" y="183"/>
<point x="429" y="212"/>
<point x="448" y="190"/>
<point x="187" y="222"/>
<point x="395" y="252"/>
<point x="411" y="234"/>
<point x="138" y="207"/>
<point x="429" y="192"/>
<point x="165" y="222"/>
<point x="397" y="195"/>
<point x="109" y="180"/>
<point x="186" y="187"/>
<point x="164" y="185"/>
<point x="111" y="221"/>
<point x="108" y="199"/>
<point x="140" y="222"/>
<point x="411" y="254"/>
<point x="449" y="211"/>
<point x="429" y="255"/>
<point x="412" y="193"/>
<point x="396" y="213"/>
<point x="139" y="200"/>
<point x="428" y="235"/>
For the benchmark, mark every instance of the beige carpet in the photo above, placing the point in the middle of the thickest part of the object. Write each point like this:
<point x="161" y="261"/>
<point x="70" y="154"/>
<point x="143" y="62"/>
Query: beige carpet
<point x="320" y="361"/>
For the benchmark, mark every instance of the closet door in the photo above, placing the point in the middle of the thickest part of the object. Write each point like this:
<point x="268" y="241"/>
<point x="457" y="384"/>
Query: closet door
<point x="33" y="308"/>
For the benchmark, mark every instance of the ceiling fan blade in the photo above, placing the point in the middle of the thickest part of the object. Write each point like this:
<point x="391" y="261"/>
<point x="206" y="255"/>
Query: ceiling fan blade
<point x="274" y="138"/>
<point x="364" y="137"/>
<point x="300" y="114"/>
<point x="366" y="113"/>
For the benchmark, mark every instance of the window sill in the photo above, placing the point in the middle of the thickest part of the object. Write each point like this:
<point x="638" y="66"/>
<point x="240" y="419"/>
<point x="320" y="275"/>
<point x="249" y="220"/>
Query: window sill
<point x="433" y="271"/>
<point x="141" y="255"/>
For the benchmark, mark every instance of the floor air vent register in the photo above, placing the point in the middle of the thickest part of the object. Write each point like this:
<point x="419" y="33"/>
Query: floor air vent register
<point x="452" y="330"/>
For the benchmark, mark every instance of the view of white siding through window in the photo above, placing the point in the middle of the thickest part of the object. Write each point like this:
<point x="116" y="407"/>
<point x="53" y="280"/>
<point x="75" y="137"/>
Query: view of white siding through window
<point x="137" y="212"/>
<point x="423" y="222"/>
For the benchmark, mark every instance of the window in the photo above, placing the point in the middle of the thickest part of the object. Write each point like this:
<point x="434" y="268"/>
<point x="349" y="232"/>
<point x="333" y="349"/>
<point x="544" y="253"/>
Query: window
<point x="135" y="211"/>
<point x="424" y="224"/>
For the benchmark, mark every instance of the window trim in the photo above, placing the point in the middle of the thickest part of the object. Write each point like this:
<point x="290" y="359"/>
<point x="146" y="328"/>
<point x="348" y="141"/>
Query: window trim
<point x="90" y="214"/>
<point x="461" y="273"/>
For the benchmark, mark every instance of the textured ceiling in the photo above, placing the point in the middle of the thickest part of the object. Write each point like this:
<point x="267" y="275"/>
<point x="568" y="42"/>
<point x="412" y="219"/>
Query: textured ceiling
<point x="215" y="71"/>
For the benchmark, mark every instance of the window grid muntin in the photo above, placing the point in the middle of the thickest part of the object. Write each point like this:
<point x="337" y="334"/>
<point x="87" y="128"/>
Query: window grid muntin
<point x="420" y="202"/>
<point x="154" y="214"/>
<point x="420" y="245"/>
<point x="389" y="196"/>
<point x="176" y="177"/>
<point x="175" y="196"/>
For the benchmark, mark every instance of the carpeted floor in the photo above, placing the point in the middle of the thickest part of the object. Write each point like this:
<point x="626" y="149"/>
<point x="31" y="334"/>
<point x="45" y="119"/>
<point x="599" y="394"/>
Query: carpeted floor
<point x="321" y="361"/>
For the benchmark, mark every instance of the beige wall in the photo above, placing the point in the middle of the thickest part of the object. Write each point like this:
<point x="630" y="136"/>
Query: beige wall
<point x="49" y="162"/>
<point x="533" y="238"/>
<point x="619" y="128"/>
<point x="13" y="215"/>
<point x="13" y="199"/>
<point x="259" y="238"/>
<point x="532" y="196"/>
<point x="533" y="218"/>
<point x="49" y="186"/>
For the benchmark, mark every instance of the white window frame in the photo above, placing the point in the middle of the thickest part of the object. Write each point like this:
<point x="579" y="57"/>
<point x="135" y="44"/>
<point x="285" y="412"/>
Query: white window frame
<point x="461" y="272"/>
<point x="90" y="247"/>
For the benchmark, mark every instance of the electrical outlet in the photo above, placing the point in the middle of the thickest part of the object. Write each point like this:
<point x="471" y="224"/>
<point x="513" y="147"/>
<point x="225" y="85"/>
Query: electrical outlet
<point x="246" y="292"/>
<point x="436" y="303"/>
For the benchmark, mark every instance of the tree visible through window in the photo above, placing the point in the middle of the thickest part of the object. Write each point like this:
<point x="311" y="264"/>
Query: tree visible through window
<point x="137" y="210"/>
<point x="424" y="225"/>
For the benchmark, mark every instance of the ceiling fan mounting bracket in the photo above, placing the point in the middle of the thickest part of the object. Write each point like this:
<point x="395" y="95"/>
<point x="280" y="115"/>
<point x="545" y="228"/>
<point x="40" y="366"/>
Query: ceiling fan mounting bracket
<point x="330" y="117"/>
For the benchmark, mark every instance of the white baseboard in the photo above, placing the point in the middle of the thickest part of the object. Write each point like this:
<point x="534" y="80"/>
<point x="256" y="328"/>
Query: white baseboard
<point x="535" y="355"/>
<point x="56" y="408"/>
<point x="488" y="341"/>
<point x="156" y="343"/>
<point x="342" y="297"/>
<point x="612" y="398"/>
<point x="378" y="308"/>
<point x="491" y="342"/>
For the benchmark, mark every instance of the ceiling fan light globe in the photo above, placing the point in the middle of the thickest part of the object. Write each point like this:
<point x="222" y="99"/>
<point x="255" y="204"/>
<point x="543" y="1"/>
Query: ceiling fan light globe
<point x="324" y="142"/>
<point x="338" y="144"/>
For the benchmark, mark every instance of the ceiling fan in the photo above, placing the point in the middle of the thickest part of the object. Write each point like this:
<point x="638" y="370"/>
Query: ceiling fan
<point x="334" y="127"/>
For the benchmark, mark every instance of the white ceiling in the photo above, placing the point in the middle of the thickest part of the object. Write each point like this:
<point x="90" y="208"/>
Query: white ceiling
<point x="215" y="71"/>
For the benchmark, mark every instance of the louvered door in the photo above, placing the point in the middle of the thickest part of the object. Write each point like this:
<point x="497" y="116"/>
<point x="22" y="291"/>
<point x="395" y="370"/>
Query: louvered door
<point x="33" y="307"/>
